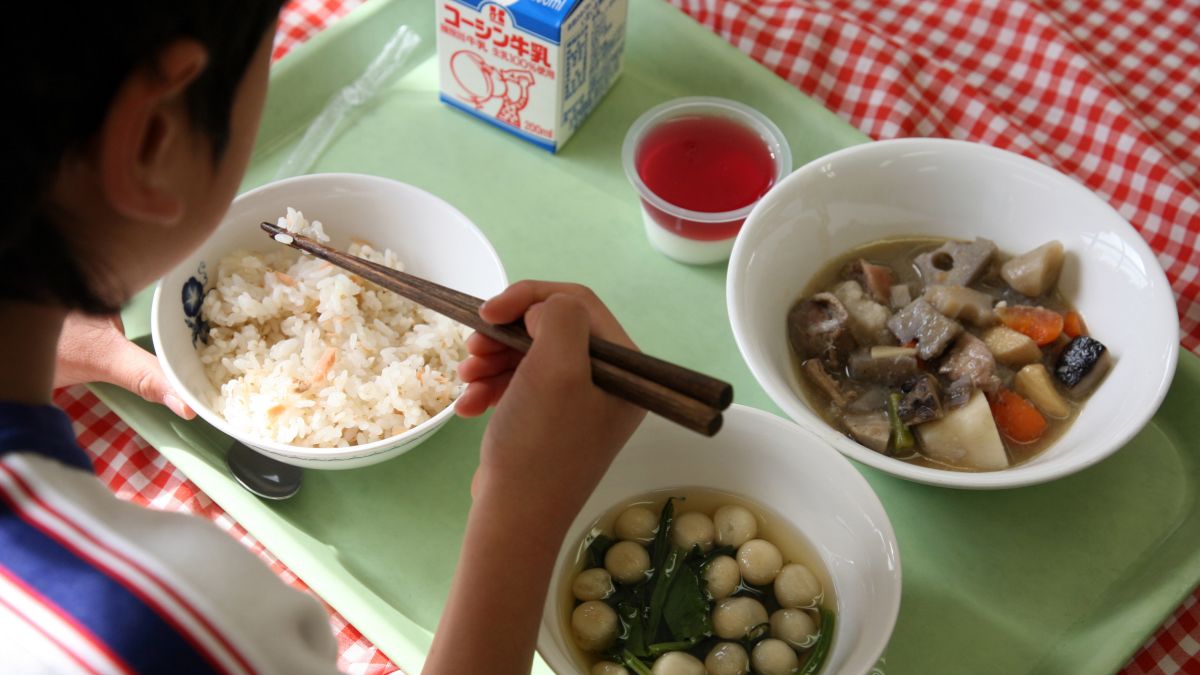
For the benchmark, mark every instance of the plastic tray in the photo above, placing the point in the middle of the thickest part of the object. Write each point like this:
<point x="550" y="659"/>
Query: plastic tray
<point x="1069" y="577"/>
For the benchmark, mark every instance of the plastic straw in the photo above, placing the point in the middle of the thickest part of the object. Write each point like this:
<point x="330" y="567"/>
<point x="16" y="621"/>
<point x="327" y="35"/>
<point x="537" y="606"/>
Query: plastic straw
<point x="389" y="61"/>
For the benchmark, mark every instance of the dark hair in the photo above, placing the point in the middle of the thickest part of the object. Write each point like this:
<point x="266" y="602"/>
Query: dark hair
<point x="65" y="64"/>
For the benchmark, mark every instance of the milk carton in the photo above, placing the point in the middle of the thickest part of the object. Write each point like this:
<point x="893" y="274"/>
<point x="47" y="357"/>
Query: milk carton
<point x="534" y="68"/>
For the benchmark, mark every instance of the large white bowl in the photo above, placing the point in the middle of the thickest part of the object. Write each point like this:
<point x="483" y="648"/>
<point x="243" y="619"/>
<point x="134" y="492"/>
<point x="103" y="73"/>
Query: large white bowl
<point x="962" y="190"/>
<point x="433" y="239"/>
<point x="775" y="463"/>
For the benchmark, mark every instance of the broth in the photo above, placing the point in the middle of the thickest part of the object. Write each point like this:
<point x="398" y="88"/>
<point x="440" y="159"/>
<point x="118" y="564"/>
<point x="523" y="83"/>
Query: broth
<point x="898" y="255"/>
<point x="771" y="527"/>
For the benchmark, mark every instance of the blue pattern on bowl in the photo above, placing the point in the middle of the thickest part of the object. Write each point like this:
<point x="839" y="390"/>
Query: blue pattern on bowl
<point x="193" y="303"/>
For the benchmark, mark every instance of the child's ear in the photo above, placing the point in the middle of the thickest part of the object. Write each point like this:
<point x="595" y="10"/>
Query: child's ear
<point x="147" y="128"/>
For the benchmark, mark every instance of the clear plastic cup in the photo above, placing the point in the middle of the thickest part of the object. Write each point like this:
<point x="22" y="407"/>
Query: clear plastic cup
<point x="689" y="235"/>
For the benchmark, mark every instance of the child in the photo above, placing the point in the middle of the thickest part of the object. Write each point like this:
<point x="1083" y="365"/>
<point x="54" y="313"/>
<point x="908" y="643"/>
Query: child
<point x="130" y="126"/>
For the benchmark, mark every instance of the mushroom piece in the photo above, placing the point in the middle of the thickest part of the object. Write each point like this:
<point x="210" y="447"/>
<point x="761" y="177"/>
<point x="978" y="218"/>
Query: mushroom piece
<point x="955" y="263"/>
<point x="870" y="429"/>
<point x="819" y="327"/>
<point x="921" y="322"/>
<point x="1034" y="273"/>
<point x="960" y="302"/>
<point x="921" y="400"/>
<point x="1034" y="383"/>
<point x="816" y="373"/>
<point x="693" y="529"/>
<point x="884" y="365"/>
<point x="1082" y="364"/>
<point x="735" y="525"/>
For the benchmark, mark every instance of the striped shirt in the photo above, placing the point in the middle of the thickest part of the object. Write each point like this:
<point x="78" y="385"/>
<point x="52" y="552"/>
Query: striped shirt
<point x="92" y="584"/>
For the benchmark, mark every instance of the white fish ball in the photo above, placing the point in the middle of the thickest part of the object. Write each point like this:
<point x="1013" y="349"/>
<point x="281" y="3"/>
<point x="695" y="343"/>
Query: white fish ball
<point x="593" y="584"/>
<point x="735" y="525"/>
<point x="727" y="658"/>
<point x="721" y="577"/>
<point x="627" y="562"/>
<point x="678" y="663"/>
<point x="797" y="586"/>
<point x="594" y="625"/>
<point x="795" y="627"/>
<point x="693" y="529"/>
<point x="760" y="561"/>
<point x="774" y="657"/>
<point x="732" y="618"/>
<point x="636" y="523"/>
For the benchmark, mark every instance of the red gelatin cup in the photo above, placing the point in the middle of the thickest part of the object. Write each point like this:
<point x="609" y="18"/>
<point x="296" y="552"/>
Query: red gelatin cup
<point x="700" y="164"/>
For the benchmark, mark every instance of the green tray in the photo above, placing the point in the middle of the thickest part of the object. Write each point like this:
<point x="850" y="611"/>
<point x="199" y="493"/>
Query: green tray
<point x="1062" y="578"/>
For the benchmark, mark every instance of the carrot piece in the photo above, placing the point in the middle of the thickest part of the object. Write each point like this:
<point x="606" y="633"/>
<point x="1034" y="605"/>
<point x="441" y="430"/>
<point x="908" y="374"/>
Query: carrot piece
<point x="1073" y="325"/>
<point x="1039" y="323"/>
<point x="1016" y="417"/>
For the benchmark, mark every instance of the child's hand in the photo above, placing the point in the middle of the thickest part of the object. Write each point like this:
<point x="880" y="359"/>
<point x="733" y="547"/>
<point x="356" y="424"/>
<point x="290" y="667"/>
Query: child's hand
<point x="554" y="433"/>
<point x="95" y="349"/>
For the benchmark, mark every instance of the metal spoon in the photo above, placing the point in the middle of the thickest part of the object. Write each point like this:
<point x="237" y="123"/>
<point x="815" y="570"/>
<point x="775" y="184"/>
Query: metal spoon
<point x="268" y="478"/>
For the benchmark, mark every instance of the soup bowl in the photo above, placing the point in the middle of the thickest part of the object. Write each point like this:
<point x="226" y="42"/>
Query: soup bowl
<point x="432" y="238"/>
<point x="959" y="190"/>
<point x="794" y="476"/>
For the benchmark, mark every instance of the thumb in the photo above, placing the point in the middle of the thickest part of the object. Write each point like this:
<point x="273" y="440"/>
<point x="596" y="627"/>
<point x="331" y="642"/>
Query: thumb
<point x="139" y="371"/>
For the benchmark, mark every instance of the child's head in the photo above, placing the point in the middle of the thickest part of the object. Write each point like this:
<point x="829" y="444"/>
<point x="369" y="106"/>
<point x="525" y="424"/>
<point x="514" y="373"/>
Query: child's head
<point x="131" y="123"/>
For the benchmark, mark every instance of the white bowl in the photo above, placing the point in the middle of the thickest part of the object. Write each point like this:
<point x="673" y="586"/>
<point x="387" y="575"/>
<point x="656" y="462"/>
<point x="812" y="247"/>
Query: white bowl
<point x="433" y="239"/>
<point x="775" y="463"/>
<point x="962" y="190"/>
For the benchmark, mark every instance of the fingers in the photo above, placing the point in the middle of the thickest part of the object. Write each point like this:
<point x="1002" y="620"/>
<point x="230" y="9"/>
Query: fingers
<point x="137" y="370"/>
<point x="512" y="304"/>
<point x="481" y="395"/>
<point x="490" y="365"/>
<point x="481" y="345"/>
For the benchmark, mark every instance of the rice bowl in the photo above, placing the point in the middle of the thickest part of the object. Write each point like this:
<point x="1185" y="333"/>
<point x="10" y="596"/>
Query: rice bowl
<point x="430" y="237"/>
<point x="304" y="353"/>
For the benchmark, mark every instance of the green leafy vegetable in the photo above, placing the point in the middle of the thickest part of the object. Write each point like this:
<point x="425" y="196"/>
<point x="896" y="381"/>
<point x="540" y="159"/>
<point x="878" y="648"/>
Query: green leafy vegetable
<point x="633" y="628"/>
<point x="663" y="577"/>
<point x="902" y="438"/>
<point x="820" y="651"/>
<point x="662" y="538"/>
<point x="685" y="609"/>
<point x="634" y="663"/>
<point x="682" y="645"/>
<point x="596" y="550"/>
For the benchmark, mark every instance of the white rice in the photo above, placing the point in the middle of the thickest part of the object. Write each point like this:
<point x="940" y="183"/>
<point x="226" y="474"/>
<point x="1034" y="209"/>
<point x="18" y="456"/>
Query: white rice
<point x="306" y="354"/>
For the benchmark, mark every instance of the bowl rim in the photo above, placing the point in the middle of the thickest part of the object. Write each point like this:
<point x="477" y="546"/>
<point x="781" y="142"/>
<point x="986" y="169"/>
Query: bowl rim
<point x="283" y="450"/>
<point x="1021" y="475"/>
<point x="867" y="499"/>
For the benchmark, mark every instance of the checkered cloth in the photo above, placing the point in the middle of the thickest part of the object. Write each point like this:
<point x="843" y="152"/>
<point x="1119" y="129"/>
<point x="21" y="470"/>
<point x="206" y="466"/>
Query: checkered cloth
<point x="1103" y="91"/>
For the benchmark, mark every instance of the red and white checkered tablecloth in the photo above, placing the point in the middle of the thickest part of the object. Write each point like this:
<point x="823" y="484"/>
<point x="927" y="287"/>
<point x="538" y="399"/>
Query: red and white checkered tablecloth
<point x="1107" y="91"/>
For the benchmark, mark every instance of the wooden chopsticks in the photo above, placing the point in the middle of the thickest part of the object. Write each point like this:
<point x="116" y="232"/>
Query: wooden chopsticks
<point x="684" y="396"/>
